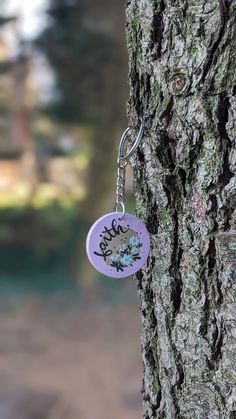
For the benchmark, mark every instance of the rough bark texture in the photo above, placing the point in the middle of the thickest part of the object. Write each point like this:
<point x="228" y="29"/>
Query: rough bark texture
<point x="182" y="80"/>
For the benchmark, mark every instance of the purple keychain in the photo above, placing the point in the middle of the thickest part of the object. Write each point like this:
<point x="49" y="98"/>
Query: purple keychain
<point x="118" y="243"/>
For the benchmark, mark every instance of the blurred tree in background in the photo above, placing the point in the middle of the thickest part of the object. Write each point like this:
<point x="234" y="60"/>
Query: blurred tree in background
<point x="80" y="55"/>
<point x="85" y="45"/>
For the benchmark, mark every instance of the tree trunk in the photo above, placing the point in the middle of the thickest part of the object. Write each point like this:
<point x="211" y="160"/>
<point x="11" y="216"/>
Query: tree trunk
<point x="21" y="130"/>
<point x="182" y="80"/>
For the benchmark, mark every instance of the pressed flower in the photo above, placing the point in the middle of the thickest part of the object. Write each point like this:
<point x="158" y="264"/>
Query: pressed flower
<point x="126" y="260"/>
<point x="123" y="248"/>
<point x="134" y="251"/>
<point x="115" y="258"/>
<point x="134" y="240"/>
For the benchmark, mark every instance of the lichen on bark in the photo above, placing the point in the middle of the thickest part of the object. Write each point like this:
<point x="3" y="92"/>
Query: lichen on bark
<point x="183" y="83"/>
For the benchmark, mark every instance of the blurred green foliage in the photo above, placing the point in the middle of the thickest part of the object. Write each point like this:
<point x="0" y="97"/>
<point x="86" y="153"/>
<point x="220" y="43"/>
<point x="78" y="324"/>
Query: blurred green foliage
<point x="41" y="227"/>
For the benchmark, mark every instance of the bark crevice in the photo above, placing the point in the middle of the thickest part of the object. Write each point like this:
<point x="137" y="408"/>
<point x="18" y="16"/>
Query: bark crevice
<point x="157" y="31"/>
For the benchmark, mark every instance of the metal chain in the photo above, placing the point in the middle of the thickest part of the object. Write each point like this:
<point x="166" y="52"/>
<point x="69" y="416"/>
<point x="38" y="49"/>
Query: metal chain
<point x="120" y="186"/>
<point x="123" y="160"/>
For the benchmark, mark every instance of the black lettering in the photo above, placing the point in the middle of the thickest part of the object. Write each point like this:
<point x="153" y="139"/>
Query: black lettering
<point x="119" y="228"/>
<point x="104" y="254"/>
<point x="106" y="230"/>
<point x="114" y="231"/>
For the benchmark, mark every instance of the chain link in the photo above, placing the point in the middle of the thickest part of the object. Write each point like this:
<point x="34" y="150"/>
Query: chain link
<point x="120" y="186"/>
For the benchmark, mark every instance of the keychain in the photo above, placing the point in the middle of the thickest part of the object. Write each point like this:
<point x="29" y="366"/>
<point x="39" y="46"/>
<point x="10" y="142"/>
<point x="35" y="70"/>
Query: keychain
<point x="118" y="243"/>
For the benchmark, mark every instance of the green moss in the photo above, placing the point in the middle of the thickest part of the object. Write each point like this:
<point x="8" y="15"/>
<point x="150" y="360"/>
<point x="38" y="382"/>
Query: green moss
<point x="165" y="102"/>
<point x="165" y="217"/>
<point x="142" y="93"/>
<point x="232" y="69"/>
<point x="135" y="22"/>
<point x="218" y="81"/>
<point x="132" y="37"/>
<point x="207" y="134"/>
<point x="155" y="96"/>
<point x="156" y="386"/>
<point x="193" y="51"/>
<point x="232" y="245"/>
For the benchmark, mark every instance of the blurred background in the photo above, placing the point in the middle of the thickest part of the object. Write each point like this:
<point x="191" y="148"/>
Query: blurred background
<point x="69" y="346"/>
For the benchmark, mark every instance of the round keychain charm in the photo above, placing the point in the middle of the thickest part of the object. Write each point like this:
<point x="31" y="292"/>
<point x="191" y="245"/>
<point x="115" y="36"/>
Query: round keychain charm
<point x="118" y="245"/>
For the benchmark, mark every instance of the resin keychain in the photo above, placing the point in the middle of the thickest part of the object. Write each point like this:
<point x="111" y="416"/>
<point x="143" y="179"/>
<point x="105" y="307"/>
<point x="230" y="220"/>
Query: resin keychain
<point x="118" y="243"/>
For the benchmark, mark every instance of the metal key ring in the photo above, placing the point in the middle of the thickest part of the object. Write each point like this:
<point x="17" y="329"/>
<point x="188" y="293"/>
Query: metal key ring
<point x="127" y="156"/>
<point x="122" y="206"/>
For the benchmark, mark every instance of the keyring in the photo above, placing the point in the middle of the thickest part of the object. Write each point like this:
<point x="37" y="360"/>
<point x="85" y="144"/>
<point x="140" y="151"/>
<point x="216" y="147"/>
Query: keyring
<point x="134" y="146"/>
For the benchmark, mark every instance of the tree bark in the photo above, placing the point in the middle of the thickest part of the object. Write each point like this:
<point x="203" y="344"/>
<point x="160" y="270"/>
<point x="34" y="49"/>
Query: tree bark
<point x="183" y="82"/>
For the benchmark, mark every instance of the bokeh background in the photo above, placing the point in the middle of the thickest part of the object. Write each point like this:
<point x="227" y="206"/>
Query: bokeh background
<point x="69" y="346"/>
